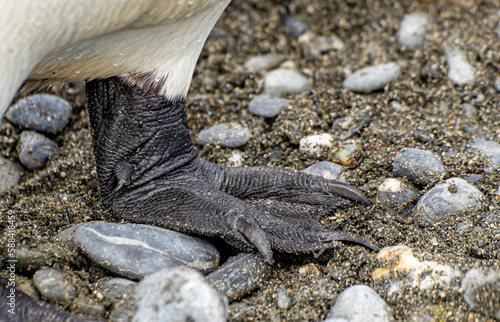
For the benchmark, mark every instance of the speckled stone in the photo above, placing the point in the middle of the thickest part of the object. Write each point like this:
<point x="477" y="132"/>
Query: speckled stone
<point x="35" y="149"/>
<point x="421" y="167"/>
<point x="239" y="275"/>
<point x="412" y="30"/>
<point x="10" y="174"/>
<point x="114" y="289"/>
<point x="44" y="113"/>
<point x="285" y="80"/>
<point x="228" y="135"/>
<point x="460" y="71"/>
<point x="450" y="197"/>
<point x="327" y="170"/>
<point x="369" y="79"/>
<point x="359" y="303"/>
<point x="178" y="294"/>
<point x="266" y="106"/>
<point x="51" y="285"/>
<point x="316" y="144"/>
<point x="321" y="45"/>
<point x="482" y="291"/>
<point x="134" y="251"/>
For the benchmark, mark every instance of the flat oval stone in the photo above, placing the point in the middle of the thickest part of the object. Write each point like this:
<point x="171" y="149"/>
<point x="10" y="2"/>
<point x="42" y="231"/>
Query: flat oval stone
<point x="263" y="62"/>
<point x="10" y="174"/>
<point x="228" y="135"/>
<point x="285" y="80"/>
<point x="327" y="170"/>
<point x="42" y="112"/>
<point x="35" y="149"/>
<point x="450" y="197"/>
<point x="178" y="294"/>
<point x="372" y="78"/>
<point x="50" y="283"/>
<point x="360" y="303"/>
<point x="239" y="275"/>
<point x="266" y="106"/>
<point x="134" y="251"/>
<point x="460" y="71"/>
<point x="412" y="30"/>
<point x="316" y="144"/>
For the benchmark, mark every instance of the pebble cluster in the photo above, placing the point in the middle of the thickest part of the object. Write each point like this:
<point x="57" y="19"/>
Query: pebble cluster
<point x="150" y="273"/>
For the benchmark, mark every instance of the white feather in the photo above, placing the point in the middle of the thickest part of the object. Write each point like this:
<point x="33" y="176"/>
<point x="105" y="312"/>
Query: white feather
<point x="85" y="39"/>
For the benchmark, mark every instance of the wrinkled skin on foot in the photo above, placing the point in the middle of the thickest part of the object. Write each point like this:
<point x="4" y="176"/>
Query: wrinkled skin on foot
<point x="149" y="173"/>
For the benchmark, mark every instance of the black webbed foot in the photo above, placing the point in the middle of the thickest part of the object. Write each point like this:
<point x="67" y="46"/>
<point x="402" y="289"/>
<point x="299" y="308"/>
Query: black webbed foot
<point x="148" y="172"/>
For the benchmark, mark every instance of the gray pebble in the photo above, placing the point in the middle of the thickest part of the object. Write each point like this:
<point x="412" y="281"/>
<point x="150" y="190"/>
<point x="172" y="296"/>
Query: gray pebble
<point x="10" y="174"/>
<point x="51" y="285"/>
<point x="460" y="71"/>
<point x="134" y="251"/>
<point x="497" y="84"/>
<point x="482" y="291"/>
<point x="283" y="299"/>
<point x="297" y="27"/>
<point x="360" y="303"/>
<point x="327" y="170"/>
<point x="44" y="113"/>
<point x="491" y="149"/>
<point x="239" y="275"/>
<point x="228" y="135"/>
<point x="266" y="106"/>
<point x="178" y="294"/>
<point x="412" y="30"/>
<point x="421" y="167"/>
<point x="35" y="149"/>
<point x="285" y="80"/>
<point x="369" y="79"/>
<point x="115" y="289"/>
<point x="264" y="62"/>
<point x="450" y="197"/>
<point x="393" y="193"/>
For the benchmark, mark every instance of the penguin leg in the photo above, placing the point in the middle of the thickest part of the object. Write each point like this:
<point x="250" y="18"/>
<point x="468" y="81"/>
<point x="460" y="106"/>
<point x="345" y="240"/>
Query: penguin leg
<point x="149" y="173"/>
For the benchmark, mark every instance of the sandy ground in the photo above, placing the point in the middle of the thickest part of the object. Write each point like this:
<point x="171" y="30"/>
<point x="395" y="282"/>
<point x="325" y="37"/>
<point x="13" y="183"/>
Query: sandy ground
<point x="431" y="118"/>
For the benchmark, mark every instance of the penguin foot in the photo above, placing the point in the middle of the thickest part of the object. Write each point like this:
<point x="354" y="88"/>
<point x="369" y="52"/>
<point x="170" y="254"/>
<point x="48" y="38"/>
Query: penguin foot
<point x="149" y="173"/>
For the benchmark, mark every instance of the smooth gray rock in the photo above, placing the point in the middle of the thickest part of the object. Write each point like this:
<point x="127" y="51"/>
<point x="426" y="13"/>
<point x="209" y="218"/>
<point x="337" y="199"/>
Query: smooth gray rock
<point x="421" y="167"/>
<point x="482" y="291"/>
<point x="51" y="285"/>
<point x="228" y="135"/>
<point x="327" y="170"/>
<point x="178" y="294"/>
<point x="266" y="106"/>
<point x="285" y="80"/>
<point x="239" y="275"/>
<point x="491" y="149"/>
<point x="114" y="289"/>
<point x="360" y="303"/>
<point x="450" y="197"/>
<point x="134" y="251"/>
<point x="460" y="71"/>
<point x="369" y="79"/>
<point x="35" y="149"/>
<point x="42" y="112"/>
<point x="264" y="62"/>
<point x="10" y="174"/>
<point x="412" y="30"/>
<point x="393" y="193"/>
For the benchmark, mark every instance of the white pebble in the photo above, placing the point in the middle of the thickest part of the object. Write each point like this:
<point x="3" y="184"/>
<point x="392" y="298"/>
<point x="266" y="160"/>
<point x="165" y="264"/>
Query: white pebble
<point x="284" y="80"/>
<point x="460" y="71"/>
<point x="236" y="159"/>
<point x="412" y="30"/>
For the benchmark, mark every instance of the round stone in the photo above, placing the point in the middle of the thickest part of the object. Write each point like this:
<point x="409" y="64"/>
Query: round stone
<point x="51" y="285"/>
<point x="327" y="170"/>
<point x="421" y="167"/>
<point x="460" y="71"/>
<point x="285" y="80"/>
<point x="266" y="106"/>
<point x="316" y="144"/>
<point x="35" y="149"/>
<point x="412" y="30"/>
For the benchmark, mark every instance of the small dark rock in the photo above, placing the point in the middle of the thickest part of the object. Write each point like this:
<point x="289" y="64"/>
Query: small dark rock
<point x="35" y="149"/>
<point x="239" y="275"/>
